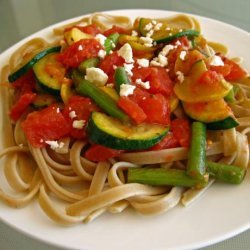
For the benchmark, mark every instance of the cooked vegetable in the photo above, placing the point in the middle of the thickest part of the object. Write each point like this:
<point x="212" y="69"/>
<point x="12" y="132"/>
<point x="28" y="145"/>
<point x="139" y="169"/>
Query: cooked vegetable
<point x="103" y="100"/>
<point x="111" y="42"/>
<point x="50" y="73"/>
<point x="161" y="177"/>
<point x="196" y="165"/>
<point x="43" y="100"/>
<point x="88" y="63"/>
<point x="164" y="34"/>
<point x="227" y="123"/>
<point x="110" y="132"/>
<point x="23" y="69"/>
<point x="202" y="85"/>
<point x="120" y="78"/>
<point x="74" y="35"/>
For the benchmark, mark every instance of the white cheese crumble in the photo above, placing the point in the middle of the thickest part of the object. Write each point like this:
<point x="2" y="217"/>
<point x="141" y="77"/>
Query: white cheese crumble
<point x="100" y="38"/>
<point x="96" y="76"/>
<point x="178" y="43"/>
<point x="134" y="33"/>
<point x="126" y="53"/>
<point x="57" y="110"/>
<point x="158" y="26"/>
<point x="72" y="114"/>
<point x="80" y="47"/>
<point x="78" y="124"/>
<point x="148" y="26"/>
<point x="160" y="61"/>
<point x="126" y="89"/>
<point x="166" y="49"/>
<point x="180" y="76"/>
<point x="216" y="61"/>
<point x="101" y="53"/>
<point x="145" y="85"/>
<point x="183" y="55"/>
<point x="128" y="68"/>
<point x="147" y="41"/>
<point x="143" y="62"/>
<point x="54" y="144"/>
<point x="150" y="33"/>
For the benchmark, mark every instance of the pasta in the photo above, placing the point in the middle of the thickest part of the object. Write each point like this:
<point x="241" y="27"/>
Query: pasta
<point x="73" y="186"/>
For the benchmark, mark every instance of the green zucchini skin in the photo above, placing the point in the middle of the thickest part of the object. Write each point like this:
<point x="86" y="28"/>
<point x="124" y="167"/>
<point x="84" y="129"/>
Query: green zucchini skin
<point x="18" y="73"/>
<point x="187" y="33"/>
<point x="227" y="123"/>
<point x="46" y="82"/>
<point x="100" y="130"/>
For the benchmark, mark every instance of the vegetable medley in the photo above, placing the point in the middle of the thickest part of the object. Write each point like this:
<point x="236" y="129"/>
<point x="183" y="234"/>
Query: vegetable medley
<point x="122" y="89"/>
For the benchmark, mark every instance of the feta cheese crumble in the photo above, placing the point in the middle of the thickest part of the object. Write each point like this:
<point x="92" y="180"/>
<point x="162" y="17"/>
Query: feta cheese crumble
<point x="216" y="61"/>
<point x="134" y="33"/>
<point x="183" y="55"/>
<point x="72" y="114"/>
<point x="101" y="53"/>
<point x="143" y="62"/>
<point x="145" y="85"/>
<point x="78" y="124"/>
<point x="100" y="38"/>
<point x="147" y="41"/>
<point x="126" y="53"/>
<point x="54" y="144"/>
<point x="80" y="47"/>
<point x="126" y="89"/>
<point x="128" y="68"/>
<point x="180" y="76"/>
<point x="96" y="76"/>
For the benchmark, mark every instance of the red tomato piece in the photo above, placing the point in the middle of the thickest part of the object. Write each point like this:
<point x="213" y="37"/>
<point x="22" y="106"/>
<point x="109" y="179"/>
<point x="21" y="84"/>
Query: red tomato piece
<point x="108" y="63"/>
<point x="223" y="70"/>
<point x="91" y="29"/>
<point x="169" y="141"/>
<point x="181" y="131"/>
<point x="236" y="72"/>
<point x="26" y="83"/>
<point x="79" y="51"/>
<point x="21" y="105"/>
<point x="141" y="73"/>
<point x="209" y="78"/>
<point x="132" y="109"/>
<point x="81" y="108"/>
<point x="100" y="153"/>
<point x="160" y="81"/>
<point x="115" y="29"/>
<point x="157" y="109"/>
<point x="45" y="125"/>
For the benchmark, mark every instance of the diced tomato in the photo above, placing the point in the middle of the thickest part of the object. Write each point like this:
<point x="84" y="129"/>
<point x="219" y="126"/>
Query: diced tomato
<point x="79" y="51"/>
<point x="81" y="108"/>
<point x="160" y="81"/>
<point x="26" y="83"/>
<point x="236" y="72"/>
<point x="91" y="29"/>
<point x="158" y="78"/>
<point x="21" y="105"/>
<point x="100" y="153"/>
<point x="210" y="78"/>
<point x="169" y="141"/>
<point x="115" y="29"/>
<point x="223" y="70"/>
<point x="132" y="109"/>
<point x="183" y="40"/>
<point x="157" y="109"/>
<point x="45" y="125"/>
<point x="108" y="63"/>
<point x="181" y="131"/>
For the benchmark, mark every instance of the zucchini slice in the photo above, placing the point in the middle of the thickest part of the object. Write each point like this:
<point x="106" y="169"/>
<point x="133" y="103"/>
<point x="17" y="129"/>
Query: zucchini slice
<point x="110" y="132"/>
<point x="23" y="69"/>
<point x="49" y="73"/>
<point x="165" y="34"/>
<point x="43" y="100"/>
<point x="227" y="123"/>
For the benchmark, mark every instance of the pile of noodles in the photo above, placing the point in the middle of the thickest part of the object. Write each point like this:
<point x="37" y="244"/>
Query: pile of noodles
<point x="71" y="189"/>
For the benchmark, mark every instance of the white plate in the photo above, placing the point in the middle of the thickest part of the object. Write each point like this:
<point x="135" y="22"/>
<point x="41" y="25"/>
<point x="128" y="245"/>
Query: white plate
<point x="221" y="213"/>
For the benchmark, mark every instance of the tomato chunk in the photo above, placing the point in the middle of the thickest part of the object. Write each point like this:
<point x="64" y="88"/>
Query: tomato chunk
<point x="79" y="51"/>
<point x="78" y="108"/>
<point x="132" y="109"/>
<point x="21" y="105"/>
<point x="236" y="72"/>
<point x="169" y="141"/>
<point x="45" y="125"/>
<point x="115" y="29"/>
<point x="100" y="153"/>
<point x="181" y="131"/>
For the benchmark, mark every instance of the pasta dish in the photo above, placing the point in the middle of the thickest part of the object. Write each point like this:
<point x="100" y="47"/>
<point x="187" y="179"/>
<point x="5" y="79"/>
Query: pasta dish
<point x="115" y="114"/>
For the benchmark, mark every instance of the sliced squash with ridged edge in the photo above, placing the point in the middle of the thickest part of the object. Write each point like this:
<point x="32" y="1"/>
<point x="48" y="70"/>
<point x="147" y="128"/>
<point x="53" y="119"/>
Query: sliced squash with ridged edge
<point x="192" y="90"/>
<point x="110" y="132"/>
